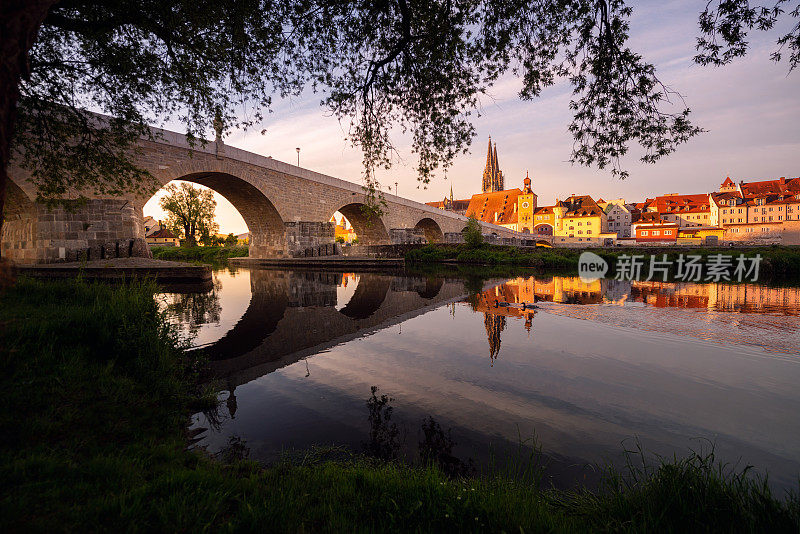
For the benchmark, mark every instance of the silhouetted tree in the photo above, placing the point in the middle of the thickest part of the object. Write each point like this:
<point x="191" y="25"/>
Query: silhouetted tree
<point x="421" y="65"/>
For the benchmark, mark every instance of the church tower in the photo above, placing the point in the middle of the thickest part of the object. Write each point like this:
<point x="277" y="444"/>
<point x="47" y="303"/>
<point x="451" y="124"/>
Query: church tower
<point x="492" y="175"/>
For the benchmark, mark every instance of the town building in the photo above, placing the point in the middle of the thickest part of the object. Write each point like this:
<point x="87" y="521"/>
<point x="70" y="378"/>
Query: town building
<point x="498" y="207"/>
<point x="544" y="223"/>
<point x="451" y="204"/>
<point x="526" y="208"/>
<point x="579" y="217"/>
<point x="618" y="217"/>
<point x="156" y="234"/>
<point x="683" y="210"/>
<point x="650" y="227"/>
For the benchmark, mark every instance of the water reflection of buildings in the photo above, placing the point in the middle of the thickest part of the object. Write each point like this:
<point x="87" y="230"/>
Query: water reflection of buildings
<point x="742" y="298"/>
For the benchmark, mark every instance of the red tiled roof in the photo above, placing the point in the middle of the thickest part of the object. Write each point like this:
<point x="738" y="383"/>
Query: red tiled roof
<point x="163" y="233"/>
<point x="727" y="182"/>
<point x="682" y="203"/>
<point x="771" y="187"/>
<point x="646" y="217"/>
<point x="483" y="206"/>
<point x="581" y="206"/>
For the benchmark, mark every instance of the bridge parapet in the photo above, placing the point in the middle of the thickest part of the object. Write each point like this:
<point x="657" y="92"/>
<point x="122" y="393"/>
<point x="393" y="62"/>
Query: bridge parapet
<point x="287" y="208"/>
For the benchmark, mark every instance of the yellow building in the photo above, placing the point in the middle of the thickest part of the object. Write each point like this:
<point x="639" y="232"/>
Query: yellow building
<point x="700" y="235"/>
<point x="526" y="206"/>
<point x="578" y="216"/>
<point x="544" y="221"/>
<point x="346" y="234"/>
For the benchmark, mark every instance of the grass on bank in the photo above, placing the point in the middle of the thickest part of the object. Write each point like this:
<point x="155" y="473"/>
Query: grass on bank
<point x="777" y="261"/>
<point x="95" y="396"/>
<point x="200" y="254"/>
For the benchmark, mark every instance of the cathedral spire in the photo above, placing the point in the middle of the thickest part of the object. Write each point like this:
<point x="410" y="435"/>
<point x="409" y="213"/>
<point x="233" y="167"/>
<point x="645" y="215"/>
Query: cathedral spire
<point x="489" y="160"/>
<point x="492" y="175"/>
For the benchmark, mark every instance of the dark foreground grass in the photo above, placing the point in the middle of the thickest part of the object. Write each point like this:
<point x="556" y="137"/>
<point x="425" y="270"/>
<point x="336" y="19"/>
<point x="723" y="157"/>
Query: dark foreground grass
<point x="95" y="396"/>
<point x="200" y="254"/>
<point x="778" y="262"/>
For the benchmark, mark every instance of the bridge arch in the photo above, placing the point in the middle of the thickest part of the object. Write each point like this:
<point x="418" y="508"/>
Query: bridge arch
<point x="265" y="224"/>
<point x="368" y="297"/>
<point x="369" y="230"/>
<point x="430" y="229"/>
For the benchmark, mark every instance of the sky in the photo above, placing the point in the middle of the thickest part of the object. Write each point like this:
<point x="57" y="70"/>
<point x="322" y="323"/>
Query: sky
<point x="750" y="109"/>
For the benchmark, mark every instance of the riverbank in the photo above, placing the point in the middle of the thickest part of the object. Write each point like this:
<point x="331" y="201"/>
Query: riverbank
<point x="170" y="273"/>
<point x="95" y="398"/>
<point x="212" y="255"/>
<point x="777" y="262"/>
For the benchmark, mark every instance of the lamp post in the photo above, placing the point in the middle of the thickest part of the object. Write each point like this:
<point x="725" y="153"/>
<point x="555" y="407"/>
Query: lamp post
<point x="395" y="189"/>
<point x="298" y="156"/>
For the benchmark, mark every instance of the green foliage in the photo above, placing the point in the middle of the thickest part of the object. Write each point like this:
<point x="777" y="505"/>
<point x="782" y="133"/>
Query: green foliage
<point x="190" y="211"/>
<point x="95" y="397"/>
<point x="473" y="236"/>
<point x="778" y="263"/>
<point x="139" y="63"/>
<point x="340" y="240"/>
<point x="419" y="66"/>
<point x="231" y="240"/>
<point x="201" y="254"/>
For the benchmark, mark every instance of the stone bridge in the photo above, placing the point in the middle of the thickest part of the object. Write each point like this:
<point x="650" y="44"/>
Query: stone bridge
<point x="287" y="208"/>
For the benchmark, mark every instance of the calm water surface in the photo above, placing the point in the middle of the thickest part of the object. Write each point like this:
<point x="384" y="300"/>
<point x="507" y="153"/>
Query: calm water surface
<point x="594" y="368"/>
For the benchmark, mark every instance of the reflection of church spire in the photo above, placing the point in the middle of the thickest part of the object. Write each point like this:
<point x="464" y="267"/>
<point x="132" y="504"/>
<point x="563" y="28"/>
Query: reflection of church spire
<point x="494" y="325"/>
<point x="528" y="322"/>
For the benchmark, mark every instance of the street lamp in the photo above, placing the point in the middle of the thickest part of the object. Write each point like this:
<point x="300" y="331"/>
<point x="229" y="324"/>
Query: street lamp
<point x="395" y="189"/>
<point x="298" y="156"/>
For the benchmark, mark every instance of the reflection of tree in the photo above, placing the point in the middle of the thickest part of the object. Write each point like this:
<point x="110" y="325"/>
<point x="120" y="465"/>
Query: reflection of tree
<point x="494" y="325"/>
<point x="195" y="309"/>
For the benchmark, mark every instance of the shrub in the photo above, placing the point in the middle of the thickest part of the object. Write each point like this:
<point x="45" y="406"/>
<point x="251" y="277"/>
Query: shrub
<point x="472" y="234"/>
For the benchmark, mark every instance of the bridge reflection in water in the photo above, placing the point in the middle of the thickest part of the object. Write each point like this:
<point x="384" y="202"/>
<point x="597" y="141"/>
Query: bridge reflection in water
<point x="294" y="314"/>
<point x="490" y="371"/>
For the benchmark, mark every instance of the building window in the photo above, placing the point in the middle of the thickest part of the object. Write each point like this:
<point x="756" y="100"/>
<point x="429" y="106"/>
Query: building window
<point x="644" y="232"/>
<point x="656" y="232"/>
<point x="588" y="231"/>
<point x="525" y="205"/>
<point x="667" y="232"/>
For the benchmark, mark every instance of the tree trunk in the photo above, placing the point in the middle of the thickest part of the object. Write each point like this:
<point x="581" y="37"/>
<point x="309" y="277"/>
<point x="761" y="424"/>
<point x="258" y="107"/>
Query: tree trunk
<point x="19" y="25"/>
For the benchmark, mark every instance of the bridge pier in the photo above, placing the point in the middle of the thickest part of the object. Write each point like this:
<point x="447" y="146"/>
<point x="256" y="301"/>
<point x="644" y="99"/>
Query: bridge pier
<point x="74" y="231"/>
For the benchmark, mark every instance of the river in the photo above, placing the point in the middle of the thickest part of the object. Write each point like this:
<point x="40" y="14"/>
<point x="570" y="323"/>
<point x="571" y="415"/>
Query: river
<point x="593" y="370"/>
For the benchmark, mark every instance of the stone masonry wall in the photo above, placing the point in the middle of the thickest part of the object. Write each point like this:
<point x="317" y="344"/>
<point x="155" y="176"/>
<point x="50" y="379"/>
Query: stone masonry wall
<point x="73" y="231"/>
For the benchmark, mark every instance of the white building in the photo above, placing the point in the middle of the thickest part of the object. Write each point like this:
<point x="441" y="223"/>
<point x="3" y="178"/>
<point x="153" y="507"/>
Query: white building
<point x="617" y="219"/>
